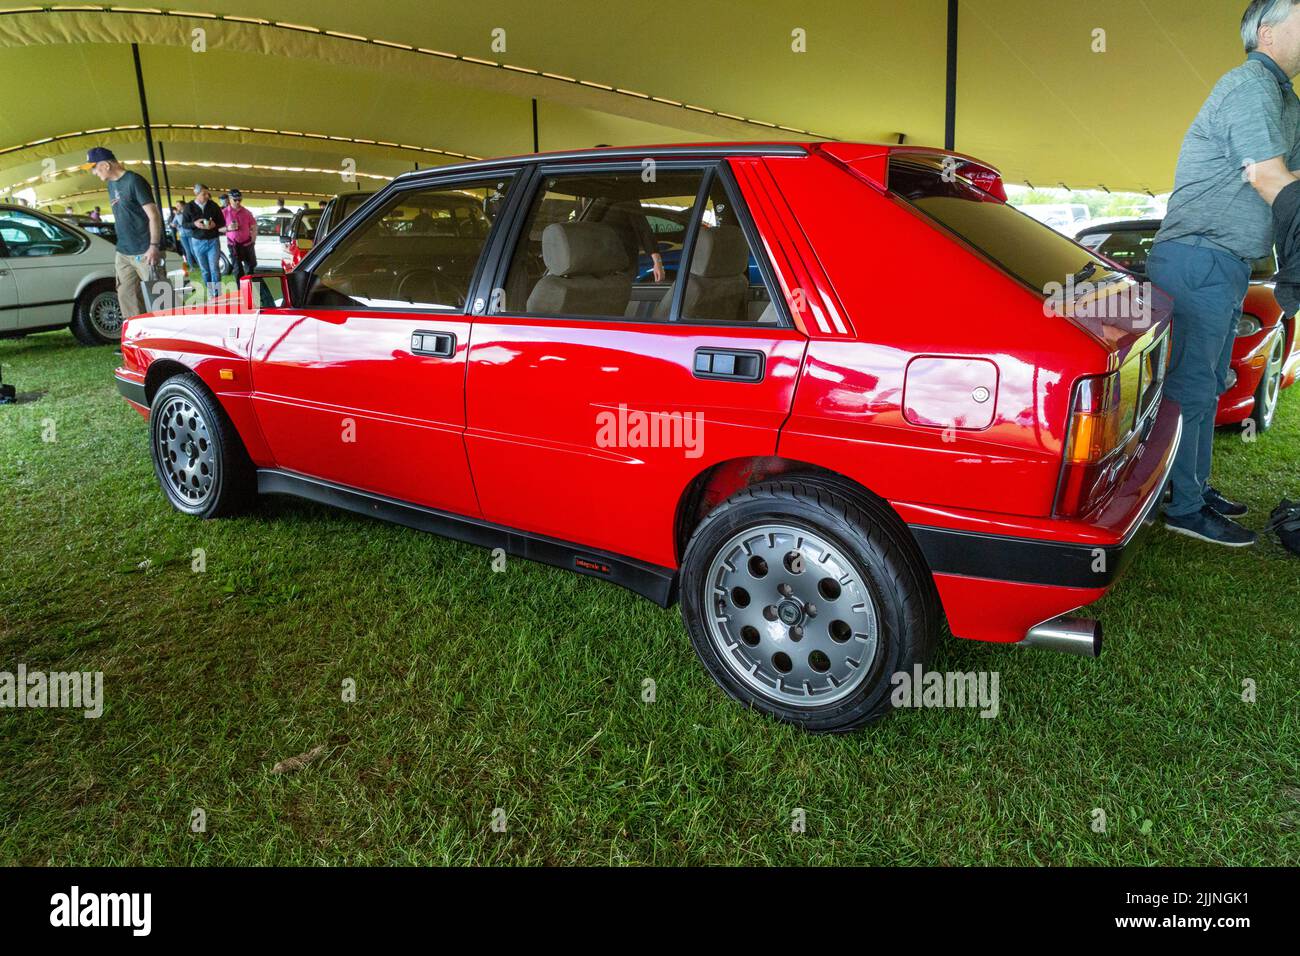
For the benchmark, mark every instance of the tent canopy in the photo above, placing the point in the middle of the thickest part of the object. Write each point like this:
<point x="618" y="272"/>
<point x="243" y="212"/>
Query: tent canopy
<point x="283" y="97"/>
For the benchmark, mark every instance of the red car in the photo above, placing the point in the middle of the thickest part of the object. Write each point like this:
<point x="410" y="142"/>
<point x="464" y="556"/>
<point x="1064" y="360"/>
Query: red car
<point x="1265" y="355"/>
<point x="853" y="416"/>
<point x="310" y="226"/>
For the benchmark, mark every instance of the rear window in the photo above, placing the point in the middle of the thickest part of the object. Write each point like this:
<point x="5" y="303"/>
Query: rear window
<point x="1127" y="247"/>
<point x="1028" y="250"/>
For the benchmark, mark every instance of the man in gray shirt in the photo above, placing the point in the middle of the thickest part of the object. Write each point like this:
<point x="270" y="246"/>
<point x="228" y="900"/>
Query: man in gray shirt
<point x="1237" y="156"/>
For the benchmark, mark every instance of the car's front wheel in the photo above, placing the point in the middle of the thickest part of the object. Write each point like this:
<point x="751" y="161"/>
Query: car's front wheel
<point x="197" y="455"/>
<point x="1270" y="386"/>
<point x="803" y="600"/>
<point x="97" y="316"/>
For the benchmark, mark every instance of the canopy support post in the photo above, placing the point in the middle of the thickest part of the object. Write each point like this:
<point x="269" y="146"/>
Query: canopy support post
<point x="535" y="149"/>
<point x="144" y="115"/>
<point x="950" y="108"/>
<point x="167" y="180"/>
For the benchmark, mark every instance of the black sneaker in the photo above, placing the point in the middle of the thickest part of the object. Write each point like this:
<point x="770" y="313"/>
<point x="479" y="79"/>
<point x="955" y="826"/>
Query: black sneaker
<point x="1229" y="509"/>
<point x="1208" y="525"/>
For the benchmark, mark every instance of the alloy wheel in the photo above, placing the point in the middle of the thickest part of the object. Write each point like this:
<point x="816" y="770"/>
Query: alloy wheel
<point x="790" y="615"/>
<point x="1273" y="380"/>
<point x="105" y="313"/>
<point x="185" y="450"/>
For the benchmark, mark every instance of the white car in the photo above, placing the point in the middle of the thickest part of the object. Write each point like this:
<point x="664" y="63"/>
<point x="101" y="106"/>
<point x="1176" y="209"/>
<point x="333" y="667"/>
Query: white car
<point x="52" y="275"/>
<point x="268" y="245"/>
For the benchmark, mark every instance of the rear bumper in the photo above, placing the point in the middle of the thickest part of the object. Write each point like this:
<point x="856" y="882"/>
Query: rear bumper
<point x="994" y="587"/>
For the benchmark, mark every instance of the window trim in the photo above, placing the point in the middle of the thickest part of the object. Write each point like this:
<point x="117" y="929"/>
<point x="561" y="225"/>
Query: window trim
<point x="365" y="215"/>
<point x="711" y="170"/>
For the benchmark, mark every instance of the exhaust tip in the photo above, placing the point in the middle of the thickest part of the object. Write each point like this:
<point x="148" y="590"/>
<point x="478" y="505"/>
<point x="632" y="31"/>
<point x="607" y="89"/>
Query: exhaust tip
<point x="1068" y="635"/>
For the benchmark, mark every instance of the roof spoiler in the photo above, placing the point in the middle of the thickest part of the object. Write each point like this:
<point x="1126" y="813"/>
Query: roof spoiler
<point x="871" y="163"/>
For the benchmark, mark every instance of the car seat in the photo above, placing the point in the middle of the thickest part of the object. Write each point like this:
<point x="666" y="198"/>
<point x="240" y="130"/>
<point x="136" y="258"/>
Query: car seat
<point x="585" y="271"/>
<point x="717" y="288"/>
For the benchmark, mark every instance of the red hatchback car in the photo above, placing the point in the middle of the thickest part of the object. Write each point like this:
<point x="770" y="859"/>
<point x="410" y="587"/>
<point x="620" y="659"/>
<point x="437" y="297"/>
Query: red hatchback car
<point x="852" y="416"/>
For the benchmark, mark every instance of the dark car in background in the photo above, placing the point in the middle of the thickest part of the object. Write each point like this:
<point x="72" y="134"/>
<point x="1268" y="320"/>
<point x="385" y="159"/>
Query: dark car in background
<point x="1265" y="359"/>
<point x="96" y="227"/>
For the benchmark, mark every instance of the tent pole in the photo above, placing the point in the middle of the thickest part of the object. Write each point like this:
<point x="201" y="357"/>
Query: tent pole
<point x="167" y="180"/>
<point x="144" y="114"/>
<point x="535" y="149"/>
<point x="950" y="117"/>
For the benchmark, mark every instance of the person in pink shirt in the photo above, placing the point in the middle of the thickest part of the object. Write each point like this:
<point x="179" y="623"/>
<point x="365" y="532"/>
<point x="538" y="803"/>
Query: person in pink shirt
<point x="241" y="236"/>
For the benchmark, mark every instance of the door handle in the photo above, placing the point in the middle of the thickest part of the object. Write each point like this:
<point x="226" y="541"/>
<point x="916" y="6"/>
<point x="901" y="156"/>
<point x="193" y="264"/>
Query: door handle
<point x="437" y="344"/>
<point x="731" y="365"/>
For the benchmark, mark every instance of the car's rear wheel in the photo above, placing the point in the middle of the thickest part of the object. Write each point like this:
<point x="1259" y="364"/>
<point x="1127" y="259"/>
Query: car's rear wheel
<point x="802" y="600"/>
<point x="1270" y="386"/>
<point x="197" y="455"/>
<point x="97" y="316"/>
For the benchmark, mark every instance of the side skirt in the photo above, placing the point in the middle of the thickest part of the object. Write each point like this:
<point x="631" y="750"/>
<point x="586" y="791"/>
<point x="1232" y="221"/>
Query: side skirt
<point x="651" y="581"/>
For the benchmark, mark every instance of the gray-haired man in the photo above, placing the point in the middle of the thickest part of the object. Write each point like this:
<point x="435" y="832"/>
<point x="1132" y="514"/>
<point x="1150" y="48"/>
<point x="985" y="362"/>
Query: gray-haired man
<point x="1237" y="156"/>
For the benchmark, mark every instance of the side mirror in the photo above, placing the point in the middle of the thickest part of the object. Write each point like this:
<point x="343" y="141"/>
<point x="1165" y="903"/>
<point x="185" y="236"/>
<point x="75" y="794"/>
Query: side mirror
<point x="265" y="290"/>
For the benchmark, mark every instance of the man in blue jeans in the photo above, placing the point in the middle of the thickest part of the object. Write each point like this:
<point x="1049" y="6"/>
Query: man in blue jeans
<point x="206" y="223"/>
<point x="1237" y="156"/>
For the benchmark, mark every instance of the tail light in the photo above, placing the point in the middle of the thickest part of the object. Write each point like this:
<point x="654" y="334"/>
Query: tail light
<point x="1108" y="418"/>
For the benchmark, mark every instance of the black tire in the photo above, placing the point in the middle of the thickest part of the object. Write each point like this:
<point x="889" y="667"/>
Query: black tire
<point x="879" y="551"/>
<point x="224" y="266"/>
<point x="198" y="457"/>
<point x="1268" y="393"/>
<point x="97" y="315"/>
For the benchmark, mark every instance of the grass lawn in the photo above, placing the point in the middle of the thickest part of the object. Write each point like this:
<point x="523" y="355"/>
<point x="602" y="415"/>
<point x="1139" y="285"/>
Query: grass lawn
<point x="523" y="690"/>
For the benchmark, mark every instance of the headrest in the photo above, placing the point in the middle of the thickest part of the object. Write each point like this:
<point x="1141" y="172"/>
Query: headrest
<point x="582" y="248"/>
<point x="720" y="251"/>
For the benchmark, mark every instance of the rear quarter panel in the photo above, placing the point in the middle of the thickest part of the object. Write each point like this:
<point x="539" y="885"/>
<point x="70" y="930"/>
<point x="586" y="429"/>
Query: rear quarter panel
<point x="909" y="290"/>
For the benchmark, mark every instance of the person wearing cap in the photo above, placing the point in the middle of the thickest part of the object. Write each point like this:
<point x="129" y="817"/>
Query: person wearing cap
<point x="206" y="223"/>
<point x="139" y="223"/>
<point x="241" y="236"/>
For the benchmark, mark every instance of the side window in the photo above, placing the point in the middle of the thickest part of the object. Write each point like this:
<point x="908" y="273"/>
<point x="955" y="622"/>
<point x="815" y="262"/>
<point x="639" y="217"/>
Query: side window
<point x="602" y="245"/>
<point x="26" y="235"/>
<point x="420" y="250"/>
<point x="724" y="283"/>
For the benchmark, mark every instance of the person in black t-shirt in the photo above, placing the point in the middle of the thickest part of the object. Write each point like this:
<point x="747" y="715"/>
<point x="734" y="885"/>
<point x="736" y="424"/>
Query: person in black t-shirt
<point x="139" y="222"/>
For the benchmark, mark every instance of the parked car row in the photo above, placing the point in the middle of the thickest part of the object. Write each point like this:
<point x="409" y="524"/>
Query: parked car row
<point x="1265" y="355"/>
<point x="819" y="487"/>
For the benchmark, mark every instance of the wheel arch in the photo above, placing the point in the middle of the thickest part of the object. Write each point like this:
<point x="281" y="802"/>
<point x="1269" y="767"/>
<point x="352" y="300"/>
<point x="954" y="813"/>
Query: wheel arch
<point x="720" y="481"/>
<point x="90" y="280"/>
<point x="162" y="369"/>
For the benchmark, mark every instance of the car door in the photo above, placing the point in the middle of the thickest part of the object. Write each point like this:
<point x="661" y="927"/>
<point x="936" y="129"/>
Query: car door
<point x="364" y="384"/>
<point x="45" y="261"/>
<point x="596" y="394"/>
<point x="8" y="293"/>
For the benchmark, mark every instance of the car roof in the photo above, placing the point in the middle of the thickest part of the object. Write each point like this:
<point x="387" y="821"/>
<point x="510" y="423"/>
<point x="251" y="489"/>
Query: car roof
<point x="615" y="153"/>
<point x="1123" y="225"/>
